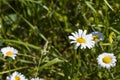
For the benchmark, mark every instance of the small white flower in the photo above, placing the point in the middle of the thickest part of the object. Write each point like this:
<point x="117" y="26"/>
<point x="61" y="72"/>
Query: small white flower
<point x="37" y="78"/>
<point x="81" y="39"/>
<point x="97" y="36"/>
<point x="16" y="76"/>
<point x="9" y="51"/>
<point x="106" y="60"/>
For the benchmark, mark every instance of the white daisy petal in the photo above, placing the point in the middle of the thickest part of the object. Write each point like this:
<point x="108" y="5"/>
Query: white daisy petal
<point x="16" y="76"/>
<point x="84" y="33"/>
<point x="79" y="32"/>
<point x="72" y="37"/>
<point x="73" y="42"/>
<point x="9" y="51"/>
<point x="82" y="39"/>
<point x="106" y="60"/>
<point x="76" y="46"/>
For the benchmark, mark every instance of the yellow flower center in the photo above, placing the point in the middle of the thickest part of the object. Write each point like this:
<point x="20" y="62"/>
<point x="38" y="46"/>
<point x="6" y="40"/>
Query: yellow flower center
<point x="9" y="53"/>
<point x="17" y="77"/>
<point x="81" y="40"/>
<point x="95" y="38"/>
<point x="107" y="59"/>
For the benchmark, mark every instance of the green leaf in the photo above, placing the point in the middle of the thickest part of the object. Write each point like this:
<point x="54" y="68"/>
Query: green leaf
<point x="108" y="5"/>
<point x="54" y="61"/>
<point x="22" y="43"/>
<point x="26" y="61"/>
<point x="100" y="75"/>
<point x="111" y="37"/>
<point x="90" y="6"/>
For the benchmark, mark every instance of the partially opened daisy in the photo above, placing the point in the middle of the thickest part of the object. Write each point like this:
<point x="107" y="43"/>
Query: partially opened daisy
<point x="9" y="51"/>
<point x="97" y="36"/>
<point x="82" y="39"/>
<point x="106" y="60"/>
<point x="37" y="78"/>
<point x="16" y="76"/>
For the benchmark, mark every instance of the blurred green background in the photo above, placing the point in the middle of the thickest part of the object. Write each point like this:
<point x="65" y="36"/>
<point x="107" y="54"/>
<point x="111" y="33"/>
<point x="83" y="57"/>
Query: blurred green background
<point x="39" y="29"/>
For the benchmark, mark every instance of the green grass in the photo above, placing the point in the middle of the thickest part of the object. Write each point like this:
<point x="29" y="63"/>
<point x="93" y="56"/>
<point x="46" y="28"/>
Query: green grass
<point x="39" y="30"/>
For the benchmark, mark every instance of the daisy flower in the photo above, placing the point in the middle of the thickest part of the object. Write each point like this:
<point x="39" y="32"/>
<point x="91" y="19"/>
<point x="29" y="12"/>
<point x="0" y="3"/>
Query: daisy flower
<point x="9" y="51"/>
<point x="106" y="60"/>
<point x="81" y="39"/>
<point x="37" y="79"/>
<point x="97" y="36"/>
<point x="16" y="76"/>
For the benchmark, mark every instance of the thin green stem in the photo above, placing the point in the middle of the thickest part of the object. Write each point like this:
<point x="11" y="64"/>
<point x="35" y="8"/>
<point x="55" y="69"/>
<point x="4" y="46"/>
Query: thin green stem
<point x="73" y="63"/>
<point x="21" y="43"/>
<point x="40" y="59"/>
<point x="79" y="64"/>
<point x="13" y="70"/>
